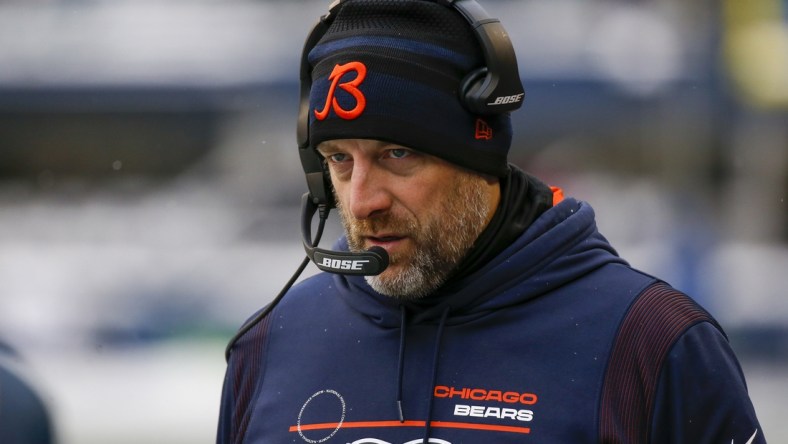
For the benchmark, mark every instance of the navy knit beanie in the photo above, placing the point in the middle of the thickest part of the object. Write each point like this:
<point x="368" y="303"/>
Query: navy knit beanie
<point x="391" y="70"/>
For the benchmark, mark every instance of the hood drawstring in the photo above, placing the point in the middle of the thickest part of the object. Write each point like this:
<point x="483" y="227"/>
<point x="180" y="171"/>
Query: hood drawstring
<point x="434" y="379"/>
<point x="401" y="364"/>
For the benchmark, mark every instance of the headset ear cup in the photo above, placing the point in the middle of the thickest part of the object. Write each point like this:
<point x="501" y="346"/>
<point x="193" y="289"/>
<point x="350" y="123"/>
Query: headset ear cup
<point x="469" y="89"/>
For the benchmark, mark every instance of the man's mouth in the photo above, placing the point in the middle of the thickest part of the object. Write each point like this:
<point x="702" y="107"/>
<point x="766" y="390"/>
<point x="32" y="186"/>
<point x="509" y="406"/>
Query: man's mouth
<point x="386" y="241"/>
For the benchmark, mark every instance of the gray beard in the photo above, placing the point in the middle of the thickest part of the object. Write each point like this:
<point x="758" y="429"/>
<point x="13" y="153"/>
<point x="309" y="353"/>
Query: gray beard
<point x="441" y="243"/>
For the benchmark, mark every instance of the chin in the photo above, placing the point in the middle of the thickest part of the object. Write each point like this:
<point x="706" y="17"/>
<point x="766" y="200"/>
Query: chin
<point x="408" y="284"/>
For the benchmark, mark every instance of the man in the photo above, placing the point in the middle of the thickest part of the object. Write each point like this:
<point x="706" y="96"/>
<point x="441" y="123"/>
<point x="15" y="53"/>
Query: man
<point x="503" y="316"/>
<point x="24" y="416"/>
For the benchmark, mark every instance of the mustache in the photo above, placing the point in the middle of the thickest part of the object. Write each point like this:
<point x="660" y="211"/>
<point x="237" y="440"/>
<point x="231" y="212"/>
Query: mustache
<point x="387" y="223"/>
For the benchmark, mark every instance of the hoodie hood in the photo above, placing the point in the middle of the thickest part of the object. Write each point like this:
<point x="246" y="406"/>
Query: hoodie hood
<point x="561" y="245"/>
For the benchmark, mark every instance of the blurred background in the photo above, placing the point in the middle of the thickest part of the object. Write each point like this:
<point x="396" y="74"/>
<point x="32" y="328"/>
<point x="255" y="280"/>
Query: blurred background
<point x="149" y="181"/>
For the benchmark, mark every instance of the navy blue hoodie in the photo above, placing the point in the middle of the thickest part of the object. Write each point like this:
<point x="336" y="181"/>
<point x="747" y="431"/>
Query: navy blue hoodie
<point x="555" y="340"/>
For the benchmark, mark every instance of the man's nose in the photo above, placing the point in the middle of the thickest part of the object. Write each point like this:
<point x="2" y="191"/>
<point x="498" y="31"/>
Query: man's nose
<point x="369" y="194"/>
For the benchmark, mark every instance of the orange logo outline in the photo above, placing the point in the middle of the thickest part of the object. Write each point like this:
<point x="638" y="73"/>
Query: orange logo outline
<point x="351" y="87"/>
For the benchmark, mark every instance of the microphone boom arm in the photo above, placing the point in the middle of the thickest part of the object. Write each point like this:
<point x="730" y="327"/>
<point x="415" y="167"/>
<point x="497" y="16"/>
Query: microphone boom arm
<point x="366" y="263"/>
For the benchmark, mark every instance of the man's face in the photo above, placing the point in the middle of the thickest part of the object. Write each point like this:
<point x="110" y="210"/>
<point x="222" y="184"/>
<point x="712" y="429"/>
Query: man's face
<point x="425" y="212"/>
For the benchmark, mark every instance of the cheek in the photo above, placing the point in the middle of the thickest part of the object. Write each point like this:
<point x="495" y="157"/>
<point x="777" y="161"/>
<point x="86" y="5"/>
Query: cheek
<point x="421" y="197"/>
<point x="338" y="190"/>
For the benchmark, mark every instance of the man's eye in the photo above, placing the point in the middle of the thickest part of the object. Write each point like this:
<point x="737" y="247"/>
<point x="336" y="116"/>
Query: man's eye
<point x="338" y="157"/>
<point x="399" y="153"/>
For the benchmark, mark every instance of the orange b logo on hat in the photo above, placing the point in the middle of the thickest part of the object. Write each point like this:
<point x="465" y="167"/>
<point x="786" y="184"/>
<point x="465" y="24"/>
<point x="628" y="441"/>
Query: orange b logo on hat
<point x="350" y="86"/>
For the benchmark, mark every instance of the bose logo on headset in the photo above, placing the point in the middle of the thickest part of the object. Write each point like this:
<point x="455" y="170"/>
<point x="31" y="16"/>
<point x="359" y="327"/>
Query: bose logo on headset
<point x="344" y="264"/>
<point x="504" y="100"/>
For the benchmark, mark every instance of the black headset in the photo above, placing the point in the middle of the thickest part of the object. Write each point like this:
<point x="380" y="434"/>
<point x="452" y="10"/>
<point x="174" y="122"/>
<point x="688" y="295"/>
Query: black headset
<point x="493" y="89"/>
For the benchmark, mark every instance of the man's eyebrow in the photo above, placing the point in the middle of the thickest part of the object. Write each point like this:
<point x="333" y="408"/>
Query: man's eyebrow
<point x="330" y="145"/>
<point x="325" y="146"/>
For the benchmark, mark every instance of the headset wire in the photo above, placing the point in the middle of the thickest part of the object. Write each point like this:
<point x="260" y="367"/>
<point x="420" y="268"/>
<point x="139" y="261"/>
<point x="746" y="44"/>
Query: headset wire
<point x="323" y="211"/>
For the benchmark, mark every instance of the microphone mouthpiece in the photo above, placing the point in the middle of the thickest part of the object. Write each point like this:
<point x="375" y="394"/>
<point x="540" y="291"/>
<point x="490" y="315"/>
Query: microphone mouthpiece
<point x="383" y="257"/>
